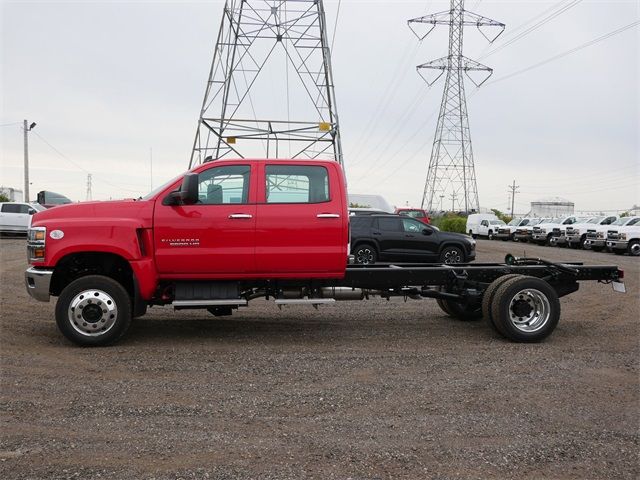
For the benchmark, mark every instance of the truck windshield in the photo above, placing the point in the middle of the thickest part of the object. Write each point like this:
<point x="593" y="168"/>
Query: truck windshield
<point x="514" y="222"/>
<point x="154" y="192"/>
<point x="413" y="213"/>
<point x="595" y="220"/>
<point x="524" y="222"/>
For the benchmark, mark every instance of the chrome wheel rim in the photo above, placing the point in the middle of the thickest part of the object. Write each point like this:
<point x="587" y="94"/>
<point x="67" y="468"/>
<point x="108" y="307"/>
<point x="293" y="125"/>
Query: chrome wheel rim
<point x="635" y="249"/>
<point x="364" y="256"/>
<point x="452" y="256"/>
<point x="529" y="310"/>
<point x="92" y="313"/>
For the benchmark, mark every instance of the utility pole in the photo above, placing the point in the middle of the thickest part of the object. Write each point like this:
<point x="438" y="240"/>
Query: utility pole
<point x="453" y="201"/>
<point x="451" y="167"/>
<point x="513" y="190"/>
<point x="441" y="198"/>
<point x="89" y="194"/>
<point x="27" y="128"/>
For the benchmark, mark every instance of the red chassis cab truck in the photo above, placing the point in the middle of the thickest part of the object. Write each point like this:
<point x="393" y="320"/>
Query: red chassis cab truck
<point x="417" y="213"/>
<point x="230" y="231"/>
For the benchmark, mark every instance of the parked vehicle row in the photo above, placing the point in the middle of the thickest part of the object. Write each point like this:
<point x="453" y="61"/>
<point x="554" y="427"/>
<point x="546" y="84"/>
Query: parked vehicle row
<point x="617" y="234"/>
<point x="15" y="217"/>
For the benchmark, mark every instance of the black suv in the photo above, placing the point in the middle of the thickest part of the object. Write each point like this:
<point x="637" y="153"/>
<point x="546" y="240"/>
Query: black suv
<point x="394" y="238"/>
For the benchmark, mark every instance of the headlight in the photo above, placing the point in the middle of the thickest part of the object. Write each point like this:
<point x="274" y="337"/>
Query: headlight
<point x="600" y="235"/>
<point x="623" y="236"/>
<point x="576" y="231"/>
<point x="36" y="237"/>
<point x="543" y="230"/>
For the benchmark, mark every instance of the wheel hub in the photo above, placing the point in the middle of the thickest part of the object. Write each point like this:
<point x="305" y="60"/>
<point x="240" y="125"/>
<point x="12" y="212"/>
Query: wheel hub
<point x="92" y="312"/>
<point x="529" y="310"/>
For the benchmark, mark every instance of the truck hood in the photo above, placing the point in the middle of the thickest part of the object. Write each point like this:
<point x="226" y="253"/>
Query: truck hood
<point x="139" y="212"/>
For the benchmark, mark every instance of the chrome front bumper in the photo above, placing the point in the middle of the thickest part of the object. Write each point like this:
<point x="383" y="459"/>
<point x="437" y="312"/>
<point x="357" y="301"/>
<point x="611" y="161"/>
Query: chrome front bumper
<point x="589" y="242"/>
<point x="617" y="244"/>
<point x="37" y="283"/>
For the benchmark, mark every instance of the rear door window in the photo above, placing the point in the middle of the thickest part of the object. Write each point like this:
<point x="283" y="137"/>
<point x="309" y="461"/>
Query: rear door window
<point x="11" y="208"/>
<point x="390" y="224"/>
<point x="297" y="184"/>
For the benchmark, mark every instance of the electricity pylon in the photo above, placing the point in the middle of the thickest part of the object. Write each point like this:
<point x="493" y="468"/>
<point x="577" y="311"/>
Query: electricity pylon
<point x="270" y="90"/>
<point x="451" y="169"/>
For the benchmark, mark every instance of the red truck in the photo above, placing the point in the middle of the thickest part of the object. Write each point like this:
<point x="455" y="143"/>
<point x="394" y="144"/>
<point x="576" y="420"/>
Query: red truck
<point x="230" y="231"/>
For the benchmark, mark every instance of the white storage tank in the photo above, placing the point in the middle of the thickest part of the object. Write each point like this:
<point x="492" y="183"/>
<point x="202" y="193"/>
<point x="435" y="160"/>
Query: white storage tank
<point x="552" y="207"/>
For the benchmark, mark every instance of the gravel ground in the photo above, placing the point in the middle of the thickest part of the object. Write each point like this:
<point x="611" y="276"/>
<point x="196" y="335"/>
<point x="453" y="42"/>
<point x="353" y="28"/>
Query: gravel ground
<point x="359" y="390"/>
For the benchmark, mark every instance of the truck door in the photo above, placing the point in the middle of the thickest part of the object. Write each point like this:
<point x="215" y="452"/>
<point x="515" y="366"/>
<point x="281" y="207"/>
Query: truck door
<point x="483" y="229"/>
<point x="215" y="235"/>
<point x="301" y="224"/>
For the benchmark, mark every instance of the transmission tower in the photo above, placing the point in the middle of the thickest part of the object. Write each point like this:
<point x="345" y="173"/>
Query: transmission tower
<point x="451" y="169"/>
<point x="89" y="194"/>
<point x="270" y="90"/>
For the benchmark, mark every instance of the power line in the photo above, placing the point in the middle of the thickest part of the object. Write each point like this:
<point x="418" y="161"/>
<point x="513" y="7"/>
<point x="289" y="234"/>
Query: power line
<point x="9" y="124"/>
<point x="79" y="166"/>
<point x="335" y="25"/>
<point x="532" y="28"/>
<point x="568" y="52"/>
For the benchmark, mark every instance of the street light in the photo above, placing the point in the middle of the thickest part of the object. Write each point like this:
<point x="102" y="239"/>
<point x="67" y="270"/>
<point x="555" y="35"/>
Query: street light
<point x="26" y="158"/>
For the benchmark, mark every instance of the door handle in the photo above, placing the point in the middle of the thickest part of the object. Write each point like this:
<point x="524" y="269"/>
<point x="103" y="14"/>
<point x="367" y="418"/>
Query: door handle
<point x="328" y="215"/>
<point x="376" y="233"/>
<point x="240" y="215"/>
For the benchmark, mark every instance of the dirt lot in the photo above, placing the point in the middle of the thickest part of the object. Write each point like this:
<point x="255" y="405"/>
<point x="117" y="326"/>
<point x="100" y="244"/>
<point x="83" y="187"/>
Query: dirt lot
<point x="359" y="390"/>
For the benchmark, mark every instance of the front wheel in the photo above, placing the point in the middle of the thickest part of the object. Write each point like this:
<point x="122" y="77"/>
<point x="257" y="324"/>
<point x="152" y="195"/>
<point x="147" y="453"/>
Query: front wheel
<point x="634" y="248"/>
<point x="94" y="310"/>
<point x="491" y="236"/>
<point x="365" y="255"/>
<point x="451" y="255"/>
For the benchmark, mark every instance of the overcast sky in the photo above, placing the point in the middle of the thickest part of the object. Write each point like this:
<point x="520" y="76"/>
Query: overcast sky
<point x="107" y="81"/>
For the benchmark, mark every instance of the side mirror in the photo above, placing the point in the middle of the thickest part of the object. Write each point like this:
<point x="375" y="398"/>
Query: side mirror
<point x="31" y="211"/>
<point x="427" y="231"/>
<point x="188" y="193"/>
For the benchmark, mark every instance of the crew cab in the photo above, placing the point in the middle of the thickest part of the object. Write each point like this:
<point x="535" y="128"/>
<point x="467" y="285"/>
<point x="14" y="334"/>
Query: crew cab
<point x="576" y="234"/>
<point x="543" y="232"/>
<point x="397" y="238"/>
<point x="625" y="239"/>
<point x="597" y="235"/>
<point x="230" y="231"/>
<point x="507" y="232"/>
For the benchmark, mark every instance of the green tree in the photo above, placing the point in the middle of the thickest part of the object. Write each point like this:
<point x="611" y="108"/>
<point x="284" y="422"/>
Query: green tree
<point x="4" y="198"/>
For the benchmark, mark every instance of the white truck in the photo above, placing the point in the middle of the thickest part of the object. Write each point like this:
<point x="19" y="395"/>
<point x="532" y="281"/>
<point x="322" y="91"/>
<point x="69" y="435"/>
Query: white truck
<point x="524" y="232"/>
<point x="576" y="234"/>
<point x="597" y="236"/>
<point x="508" y="231"/>
<point x="483" y="224"/>
<point x="625" y="239"/>
<point x="543" y="232"/>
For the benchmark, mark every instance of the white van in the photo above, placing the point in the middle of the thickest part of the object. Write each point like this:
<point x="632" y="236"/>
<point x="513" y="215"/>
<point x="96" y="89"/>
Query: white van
<point x="483" y="224"/>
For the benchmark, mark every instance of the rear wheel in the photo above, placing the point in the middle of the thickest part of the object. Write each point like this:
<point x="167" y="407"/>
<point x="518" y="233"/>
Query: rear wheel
<point x="472" y="235"/>
<point x="634" y="248"/>
<point x="489" y="294"/>
<point x="365" y="254"/>
<point x="451" y="254"/>
<point x="461" y="310"/>
<point x="526" y="309"/>
<point x="94" y="310"/>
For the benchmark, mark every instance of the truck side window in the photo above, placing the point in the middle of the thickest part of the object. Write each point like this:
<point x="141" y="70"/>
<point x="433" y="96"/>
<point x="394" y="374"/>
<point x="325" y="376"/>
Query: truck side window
<point x="11" y="208"/>
<point x="224" y="185"/>
<point x="297" y="184"/>
<point x="485" y="223"/>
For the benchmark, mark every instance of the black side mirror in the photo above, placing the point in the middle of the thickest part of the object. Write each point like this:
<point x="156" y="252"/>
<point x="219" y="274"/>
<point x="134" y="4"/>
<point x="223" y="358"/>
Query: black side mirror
<point x="31" y="211"/>
<point x="427" y="231"/>
<point x="188" y="193"/>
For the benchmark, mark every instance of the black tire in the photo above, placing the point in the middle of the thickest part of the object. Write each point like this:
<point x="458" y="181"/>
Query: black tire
<point x="105" y="311"/>
<point x="526" y="298"/>
<point x="489" y="294"/>
<point x="461" y="311"/>
<point x="472" y="235"/>
<point x="490" y="235"/>
<point x="451" y="255"/>
<point x="365" y="254"/>
<point x="633" y="248"/>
